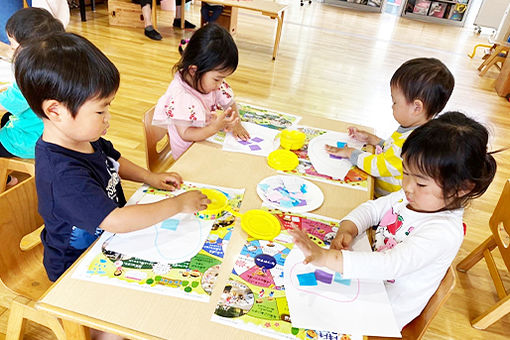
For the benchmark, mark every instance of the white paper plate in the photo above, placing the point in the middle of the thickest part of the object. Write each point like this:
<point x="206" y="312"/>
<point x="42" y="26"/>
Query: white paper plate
<point x="290" y="193"/>
<point x="323" y="162"/>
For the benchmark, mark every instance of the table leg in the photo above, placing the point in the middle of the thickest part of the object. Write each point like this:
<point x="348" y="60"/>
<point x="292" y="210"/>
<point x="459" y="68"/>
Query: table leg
<point x="82" y="11"/>
<point x="183" y="9"/>
<point x="154" y="15"/>
<point x="278" y="34"/>
<point x="93" y="5"/>
<point x="75" y="331"/>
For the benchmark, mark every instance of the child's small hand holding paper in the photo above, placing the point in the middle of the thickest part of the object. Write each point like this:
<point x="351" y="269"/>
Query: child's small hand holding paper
<point x="363" y="136"/>
<point x="345" y="235"/>
<point x="240" y="132"/>
<point x="192" y="201"/>
<point x="344" y="152"/>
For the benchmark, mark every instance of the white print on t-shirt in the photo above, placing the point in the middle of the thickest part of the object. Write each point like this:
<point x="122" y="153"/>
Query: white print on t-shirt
<point x="111" y="189"/>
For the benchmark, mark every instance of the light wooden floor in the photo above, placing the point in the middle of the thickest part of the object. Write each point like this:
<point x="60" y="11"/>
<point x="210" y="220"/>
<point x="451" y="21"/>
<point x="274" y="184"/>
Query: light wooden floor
<point x="335" y="63"/>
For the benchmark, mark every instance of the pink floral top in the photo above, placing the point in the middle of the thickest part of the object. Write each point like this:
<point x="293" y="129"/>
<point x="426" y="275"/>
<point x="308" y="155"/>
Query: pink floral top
<point x="183" y="105"/>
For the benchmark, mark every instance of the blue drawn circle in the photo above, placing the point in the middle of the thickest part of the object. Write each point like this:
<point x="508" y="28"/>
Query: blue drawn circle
<point x="265" y="261"/>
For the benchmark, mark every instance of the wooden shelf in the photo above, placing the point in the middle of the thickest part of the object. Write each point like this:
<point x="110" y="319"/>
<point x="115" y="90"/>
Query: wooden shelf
<point x="354" y="5"/>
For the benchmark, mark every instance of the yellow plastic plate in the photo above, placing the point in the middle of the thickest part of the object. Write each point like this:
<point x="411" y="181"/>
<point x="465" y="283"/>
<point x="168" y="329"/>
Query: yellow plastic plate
<point x="292" y="139"/>
<point x="283" y="160"/>
<point x="260" y="224"/>
<point x="217" y="207"/>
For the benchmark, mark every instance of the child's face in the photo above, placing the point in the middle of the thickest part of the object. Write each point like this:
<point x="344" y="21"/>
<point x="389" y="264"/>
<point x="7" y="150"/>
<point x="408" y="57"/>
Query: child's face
<point x="212" y="80"/>
<point x="14" y="44"/>
<point x="91" y="121"/>
<point x="422" y="191"/>
<point x="405" y="113"/>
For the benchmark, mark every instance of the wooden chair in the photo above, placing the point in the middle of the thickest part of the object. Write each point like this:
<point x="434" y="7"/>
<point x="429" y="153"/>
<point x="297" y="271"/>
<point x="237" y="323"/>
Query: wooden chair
<point x="23" y="279"/>
<point x="499" y="225"/>
<point x="417" y="328"/>
<point x="158" y="152"/>
<point x="497" y="54"/>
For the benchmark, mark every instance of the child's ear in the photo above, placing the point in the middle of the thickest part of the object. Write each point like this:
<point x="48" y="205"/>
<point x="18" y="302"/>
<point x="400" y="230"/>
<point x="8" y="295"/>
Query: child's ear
<point x="418" y="106"/>
<point x="53" y="109"/>
<point x="192" y="69"/>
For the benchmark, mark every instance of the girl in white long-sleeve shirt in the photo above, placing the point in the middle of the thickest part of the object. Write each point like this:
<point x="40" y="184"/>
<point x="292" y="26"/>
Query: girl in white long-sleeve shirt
<point x="418" y="230"/>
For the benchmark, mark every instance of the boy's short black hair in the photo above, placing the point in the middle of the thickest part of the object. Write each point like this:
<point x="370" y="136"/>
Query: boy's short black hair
<point x="32" y="22"/>
<point x="426" y="79"/>
<point x="452" y="149"/>
<point x="65" y="67"/>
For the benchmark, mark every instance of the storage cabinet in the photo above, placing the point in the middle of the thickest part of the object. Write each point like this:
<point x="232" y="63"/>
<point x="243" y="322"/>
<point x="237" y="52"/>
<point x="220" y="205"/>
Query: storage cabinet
<point x="450" y="12"/>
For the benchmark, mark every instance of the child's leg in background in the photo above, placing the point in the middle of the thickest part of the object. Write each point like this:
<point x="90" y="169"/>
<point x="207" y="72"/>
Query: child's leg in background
<point x="216" y="12"/>
<point x="4" y="153"/>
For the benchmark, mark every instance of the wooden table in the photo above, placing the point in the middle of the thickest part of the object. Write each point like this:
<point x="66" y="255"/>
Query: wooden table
<point x="268" y="8"/>
<point x="141" y="315"/>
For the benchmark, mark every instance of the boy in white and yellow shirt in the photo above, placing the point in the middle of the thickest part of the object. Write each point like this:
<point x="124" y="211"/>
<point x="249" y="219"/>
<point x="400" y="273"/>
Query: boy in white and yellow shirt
<point x="420" y="89"/>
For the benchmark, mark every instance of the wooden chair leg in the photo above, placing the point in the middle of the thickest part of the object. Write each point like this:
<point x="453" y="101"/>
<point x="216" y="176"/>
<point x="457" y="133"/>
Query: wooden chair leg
<point x="17" y="322"/>
<point x="495" y="313"/>
<point x="476" y="255"/>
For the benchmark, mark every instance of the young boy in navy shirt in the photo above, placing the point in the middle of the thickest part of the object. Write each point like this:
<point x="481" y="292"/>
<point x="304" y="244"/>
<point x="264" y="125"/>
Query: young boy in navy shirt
<point x="70" y="84"/>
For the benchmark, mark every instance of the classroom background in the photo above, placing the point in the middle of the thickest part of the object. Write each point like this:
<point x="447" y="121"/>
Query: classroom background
<point x="332" y="62"/>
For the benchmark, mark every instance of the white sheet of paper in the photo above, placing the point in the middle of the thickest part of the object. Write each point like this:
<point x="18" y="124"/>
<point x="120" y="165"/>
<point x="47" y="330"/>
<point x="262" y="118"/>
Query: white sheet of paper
<point x="261" y="142"/>
<point x="174" y="240"/>
<point x="6" y="74"/>
<point x="362" y="307"/>
<point x="321" y="160"/>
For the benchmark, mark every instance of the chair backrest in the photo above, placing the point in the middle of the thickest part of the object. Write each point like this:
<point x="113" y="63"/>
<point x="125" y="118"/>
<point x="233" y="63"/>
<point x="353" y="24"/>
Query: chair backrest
<point x="7" y="165"/>
<point x="417" y="328"/>
<point x="499" y="224"/>
<point x="21" y="272"/>
<point x="157" y="145"/>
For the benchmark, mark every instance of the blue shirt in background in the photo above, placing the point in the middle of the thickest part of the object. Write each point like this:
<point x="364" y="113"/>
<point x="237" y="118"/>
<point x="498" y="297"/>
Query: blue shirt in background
<point x="24" y="128"/>
<point x="76" y="192"/>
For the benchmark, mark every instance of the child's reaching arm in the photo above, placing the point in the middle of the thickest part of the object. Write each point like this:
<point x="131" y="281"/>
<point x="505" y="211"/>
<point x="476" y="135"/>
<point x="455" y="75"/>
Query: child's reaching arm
<point x="139" y="216"/>
<point x="135" y="217"/>
<point x="364" y="136"/>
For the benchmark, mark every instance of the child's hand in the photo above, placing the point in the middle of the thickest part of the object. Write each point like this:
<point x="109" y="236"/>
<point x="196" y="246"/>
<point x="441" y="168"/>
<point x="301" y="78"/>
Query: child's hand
<point x="192" y="201"/>
<point x="240" y="132"/>
<point x="344" y="152"/>
<point x="363" y="136"/>
<point x="342" y="240"/>
<point x="313" y="253"/>
<point x="226" y="120"/>
<point x="165" y="180"/>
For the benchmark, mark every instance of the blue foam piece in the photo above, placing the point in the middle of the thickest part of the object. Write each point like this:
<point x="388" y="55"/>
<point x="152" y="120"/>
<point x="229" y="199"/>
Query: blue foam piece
<point x="340" y="144"/>
<point x="307" y="279"/>
<point x="170" y="224"/>
<point x="338" y="278"/>
<point x="264" y="186"/>
<point x="286" y="204"/>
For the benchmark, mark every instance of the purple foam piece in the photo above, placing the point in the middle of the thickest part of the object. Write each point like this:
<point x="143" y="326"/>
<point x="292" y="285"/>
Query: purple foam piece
<point x="243" y="142"/>
<point x="323" y="276"/>
<point x="257" y="139"/>
<point x="255" y="148"/>
<point x="335" y="157"/>
<point x="301" y="203"/>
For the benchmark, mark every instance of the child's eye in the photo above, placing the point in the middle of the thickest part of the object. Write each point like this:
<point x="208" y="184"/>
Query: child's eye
<point x="421" y="185"/>
<point x="100" y="112"/>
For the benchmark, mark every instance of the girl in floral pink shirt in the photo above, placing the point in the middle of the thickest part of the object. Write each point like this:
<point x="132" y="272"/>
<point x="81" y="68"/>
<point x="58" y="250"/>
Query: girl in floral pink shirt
<point x="189" y="106"/>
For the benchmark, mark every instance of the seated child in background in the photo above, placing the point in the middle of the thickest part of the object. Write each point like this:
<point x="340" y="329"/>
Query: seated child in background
<point x="419" y="228"/>
<point x="188" y="108"/>
<point x="210" y="12"/>
<point x="20" y="127"/>
<point x="70" y="84"/>
<point x="420" y="89"/>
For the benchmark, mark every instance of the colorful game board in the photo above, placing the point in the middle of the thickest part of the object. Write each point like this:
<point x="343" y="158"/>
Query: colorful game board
<point x="264" y="117"/>
<point x="193" y="279"/>
<point x="254" y="297"/>
<point x="355" y="178"/>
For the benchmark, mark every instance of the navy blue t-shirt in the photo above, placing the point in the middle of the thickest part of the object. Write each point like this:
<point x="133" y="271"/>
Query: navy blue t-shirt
<point x="76" y="191"/>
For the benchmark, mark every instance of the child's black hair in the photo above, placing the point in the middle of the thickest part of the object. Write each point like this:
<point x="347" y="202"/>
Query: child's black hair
<point x="211" y="48"/>
<point x="452" y="149"/>
<point x="425" y="79"/>
<point x="65" y="67"/>
<point x="32" y="22"/>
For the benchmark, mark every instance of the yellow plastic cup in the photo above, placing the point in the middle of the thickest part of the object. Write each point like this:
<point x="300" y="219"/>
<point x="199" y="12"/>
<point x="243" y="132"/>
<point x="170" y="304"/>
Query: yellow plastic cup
<point x="292" y="139"/>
